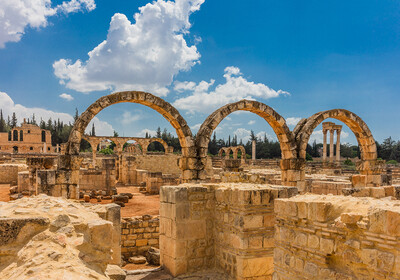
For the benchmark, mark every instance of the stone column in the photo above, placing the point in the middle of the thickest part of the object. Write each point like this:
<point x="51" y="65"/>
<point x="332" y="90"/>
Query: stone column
<point x="338" y="146"/>
<point x="253" y="150"/>
<point x="324" y="147"/>
<point x="331" y="145"/>
<point x="44" y="148"/>
<point x="94" y="152"/>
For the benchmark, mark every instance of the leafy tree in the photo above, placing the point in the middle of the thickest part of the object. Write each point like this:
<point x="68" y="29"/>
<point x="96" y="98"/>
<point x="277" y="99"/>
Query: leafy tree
<point x="3" y="125"/>
<point x="13" y="120"/>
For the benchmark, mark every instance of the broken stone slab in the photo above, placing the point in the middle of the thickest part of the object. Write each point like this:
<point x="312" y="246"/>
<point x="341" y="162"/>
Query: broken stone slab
<point x="114" y="272"/>
<point x="120" y="203"/>
<point x="16" y="196"/>
<point x="137" y="260"/>
<point x="122" y="198"/>
<point x="153" y="256"/>
<point x="129" y="195"/>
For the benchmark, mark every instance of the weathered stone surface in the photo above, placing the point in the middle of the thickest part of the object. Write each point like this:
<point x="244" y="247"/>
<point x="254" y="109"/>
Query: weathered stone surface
<point x="51" y="238"/>
<point x="361" y="235"/>
<point x="114" y="272"/>
<point x="153" y="256"/>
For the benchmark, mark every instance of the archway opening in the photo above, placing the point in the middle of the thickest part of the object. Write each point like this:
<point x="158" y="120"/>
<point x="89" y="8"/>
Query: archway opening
<point x="132" y="147"/>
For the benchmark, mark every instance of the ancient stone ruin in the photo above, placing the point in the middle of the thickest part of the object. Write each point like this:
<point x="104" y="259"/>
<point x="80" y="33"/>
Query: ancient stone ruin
<point x="228" y="216"/>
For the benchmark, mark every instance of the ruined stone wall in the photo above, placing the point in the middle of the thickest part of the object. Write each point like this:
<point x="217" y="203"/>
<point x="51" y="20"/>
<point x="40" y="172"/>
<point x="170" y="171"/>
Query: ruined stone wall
<point x="250" y="177"/>
<point x="101" y="178"/>
<point x="9" y="173"/>
<point x="244" y="229"/>
<point x="224" y="226"/>
<point x="138" y="234"/>
<point x="165" y="163"/>
<point x="337" y="237"/>
<point x="328" y="187"/>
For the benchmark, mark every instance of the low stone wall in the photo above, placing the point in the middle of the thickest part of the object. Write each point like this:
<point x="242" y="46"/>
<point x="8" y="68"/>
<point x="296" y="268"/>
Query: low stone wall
<point x="23" y="183"/>
<point x="138" y="234"/>
<point x="224" y="226"/>
<point x="102" y="178"/>
<point x="336" y="237"/>
<point x="328" y="187"/>
<point x="9" y="173"/>
<point x="250" y="177"/>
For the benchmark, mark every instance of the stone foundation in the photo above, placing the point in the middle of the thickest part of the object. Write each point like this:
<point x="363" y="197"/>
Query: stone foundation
<point x="9" y="173"/>
<point x="225" y="226"/>
<point x="336" y="237"/>
<point x="138" y="235"/>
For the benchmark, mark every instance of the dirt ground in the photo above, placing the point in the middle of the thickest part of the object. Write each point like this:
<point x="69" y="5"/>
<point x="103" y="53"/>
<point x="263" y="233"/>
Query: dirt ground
<point x="140" y="204"/>
<point x="4" y="192"/>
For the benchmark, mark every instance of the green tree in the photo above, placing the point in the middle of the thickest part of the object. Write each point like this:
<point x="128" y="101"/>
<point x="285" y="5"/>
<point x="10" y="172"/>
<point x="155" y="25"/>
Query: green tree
<point x="14" y="120"/>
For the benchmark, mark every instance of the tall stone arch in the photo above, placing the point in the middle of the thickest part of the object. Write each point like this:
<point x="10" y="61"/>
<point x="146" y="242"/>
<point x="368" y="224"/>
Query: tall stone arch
<point x="289" y="162"/>
<point x="171" y="114"/>
<point x="369" y="164"/>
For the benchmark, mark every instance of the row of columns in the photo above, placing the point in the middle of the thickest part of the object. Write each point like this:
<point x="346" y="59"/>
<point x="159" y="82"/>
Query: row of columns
<point x="332" y="128"/>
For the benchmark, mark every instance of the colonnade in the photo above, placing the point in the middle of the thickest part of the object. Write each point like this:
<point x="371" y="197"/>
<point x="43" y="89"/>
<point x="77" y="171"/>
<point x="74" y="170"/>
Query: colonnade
<point x="332" y="128"/>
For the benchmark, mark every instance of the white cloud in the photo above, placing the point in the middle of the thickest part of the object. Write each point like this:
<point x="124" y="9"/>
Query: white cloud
<point x="144" y="55"/>
<point x="235" y="88"/>
<point x="128" y="118"/>
<point x="243" y="134"/>
<point x="251" y="122"/>
<point x="195" y="127"/>
<point x="344" y="134"/>
<point x="292" y="121"/>
<point x="142" y="133"/>
<point x="8" y="106"/>
<point x="66" y="96"/>
<point x="102" y="128"/>
<point x="17" y="15"/>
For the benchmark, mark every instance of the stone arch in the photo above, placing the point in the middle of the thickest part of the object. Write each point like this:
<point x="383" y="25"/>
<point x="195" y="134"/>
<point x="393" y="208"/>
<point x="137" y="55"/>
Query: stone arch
<point x="304" y="129"/>
<point x="277" y="122"/>
<point x="159" y="140"/>
<point x="188" y="162"/>
<point x="221" y="151"/>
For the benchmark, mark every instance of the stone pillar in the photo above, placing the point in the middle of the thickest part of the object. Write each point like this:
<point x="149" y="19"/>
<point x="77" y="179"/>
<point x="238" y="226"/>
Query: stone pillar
<point x="324" y="147"/>
<point x="293" y="173"/>
<point x="331" y="131"/>
<point x="67" y="175"/>
<point x="338" y="146"/>
<point x="44" y="148"/>
<point x="57" y="148"/>
<point x="94" y="152"/>
<point x="253" y="150"/>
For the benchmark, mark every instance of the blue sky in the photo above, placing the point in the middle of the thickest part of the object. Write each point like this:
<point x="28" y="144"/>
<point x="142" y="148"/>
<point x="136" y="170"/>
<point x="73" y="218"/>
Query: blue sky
<point x="298" y="57"/>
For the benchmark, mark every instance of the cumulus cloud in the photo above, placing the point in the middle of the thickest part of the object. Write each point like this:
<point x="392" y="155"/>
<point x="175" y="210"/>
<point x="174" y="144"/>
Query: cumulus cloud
<point x="251" y="122"/>
<point x="102" y="128"/>
<point x="17" y="15"/>
<point x="144" y="55"/>
<point x="195" y="127"/>
<point x="66" y="96"/>
<point x="292" y="121"/>
<point x="8" y="106"/>
<point x="128" y="118"/>
<point x="235" y="88"/>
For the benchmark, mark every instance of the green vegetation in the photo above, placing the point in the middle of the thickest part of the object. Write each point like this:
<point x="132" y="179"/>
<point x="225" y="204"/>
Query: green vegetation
<point x="348" y="162"/>
<point x="309" y="157"/>
<point x="107" y="151"/>
<point x="392" y="161"/>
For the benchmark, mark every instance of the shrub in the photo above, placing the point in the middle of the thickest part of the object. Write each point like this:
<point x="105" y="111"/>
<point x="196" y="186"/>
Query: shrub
<point x="107" y="151"/>
<point x="308" y="157"/>
<point x="348" y="162"/>
<point x="391" y="161"/>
